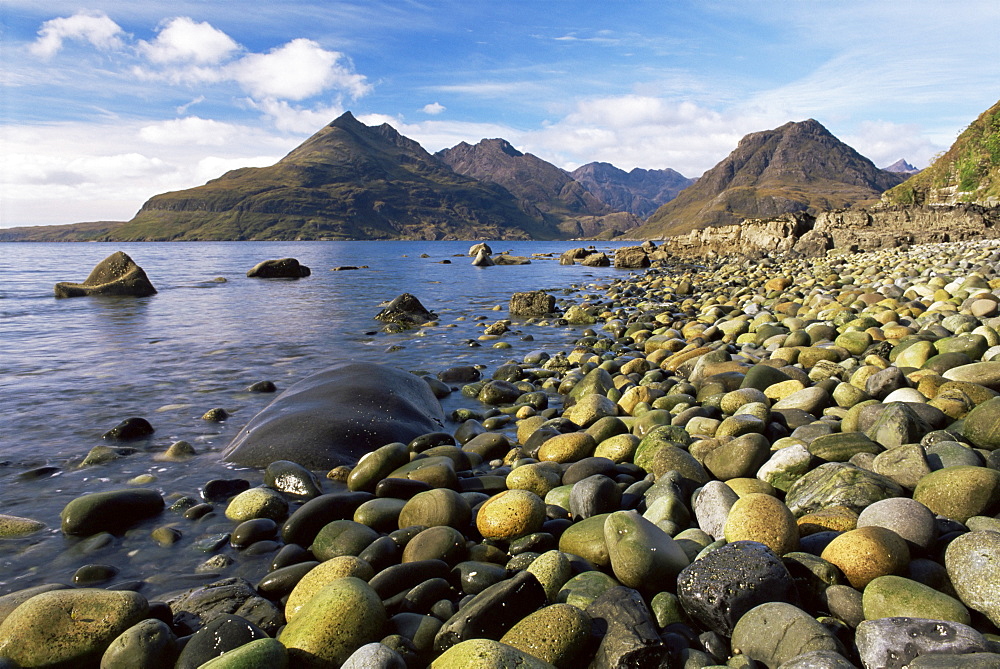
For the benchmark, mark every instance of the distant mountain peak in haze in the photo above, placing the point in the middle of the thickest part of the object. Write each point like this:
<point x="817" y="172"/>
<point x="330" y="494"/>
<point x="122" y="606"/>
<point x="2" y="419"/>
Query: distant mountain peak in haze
<point x="901" y="167"/>
<point x="639" y="191"/>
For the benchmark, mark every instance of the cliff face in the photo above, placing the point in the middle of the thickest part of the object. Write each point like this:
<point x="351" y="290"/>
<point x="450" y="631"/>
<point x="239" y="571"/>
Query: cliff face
<point x="858" y="229"/>
<point x="796" y="167"/>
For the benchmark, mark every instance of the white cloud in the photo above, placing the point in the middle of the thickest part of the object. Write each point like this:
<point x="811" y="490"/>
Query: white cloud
<point x="93" y="27"/>
<point x="182" y="40"/>
<point x="885" y="143"/>
<point x="189" y="130"/>
<point x="291" y="119"/>
<point x="434" y="108"/>
<point x="298" y="70"/>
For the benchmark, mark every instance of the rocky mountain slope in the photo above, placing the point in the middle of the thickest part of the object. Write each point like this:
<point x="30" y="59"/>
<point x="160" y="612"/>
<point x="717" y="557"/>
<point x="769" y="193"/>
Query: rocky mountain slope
<point x="796" y="167"/>
<point x="901" y="167"/>
<point x="968" y="172"/>
<point x="348" y="181"/>
<point x="640" y="192"/>
<point x="542" y="189"/>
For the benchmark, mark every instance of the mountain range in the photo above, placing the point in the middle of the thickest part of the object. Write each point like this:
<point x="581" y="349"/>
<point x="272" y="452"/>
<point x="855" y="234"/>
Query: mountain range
<point x="639" y="192"/>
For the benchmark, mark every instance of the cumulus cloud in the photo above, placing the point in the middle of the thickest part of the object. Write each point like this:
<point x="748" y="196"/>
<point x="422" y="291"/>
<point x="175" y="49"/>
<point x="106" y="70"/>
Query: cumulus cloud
<point x="189" y="130"/>
<point x="183" y="40"/>
<point x="299" y="120"/>
<point x="884" y="143"/>
<point x="298" y="70"/>
<point x="433" y="108"/>
<point x="93" y="27"/>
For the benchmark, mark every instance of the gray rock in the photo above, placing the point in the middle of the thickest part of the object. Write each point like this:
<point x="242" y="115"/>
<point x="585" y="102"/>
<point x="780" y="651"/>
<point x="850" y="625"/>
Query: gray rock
<point x="892" y="643"/>
<point x="627" y="631"/>
<point x="149" y="644"/>
<point x="974" y="569"/>
<point x="334" y="417"/>
<point x="224" y="633"/>
<point x="197" y="607"/>
<point x="631" y="257"/>
<point x="405" y="311"/>
<point x="908" y="518"/>
<point x="836" y="483"/>
<point x="116" y="275"/>
<point x="776" y="632"/>
<point x="482" y="259"/>
<point x="283" y="268"/>
<point x="711" y="507"/>
<point x="535" y="303"/>
<point x="374" y="656"/>
<point x="818" y="659"/>
<point x="717" y="589"/>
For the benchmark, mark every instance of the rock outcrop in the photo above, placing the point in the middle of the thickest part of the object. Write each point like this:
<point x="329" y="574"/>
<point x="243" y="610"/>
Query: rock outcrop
<point x="283" y="268"/>
<point x="857" y="229"/>
<point x="405" y="311"/>
<point x="334" y="417"/>
<point x="534" y="303"/>
<point x="116" y="275"/>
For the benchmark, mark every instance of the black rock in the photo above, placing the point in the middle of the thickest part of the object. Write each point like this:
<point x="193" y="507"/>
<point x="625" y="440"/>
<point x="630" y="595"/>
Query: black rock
<point x="284" y="268"/>
<point x="195" y="608"/>
<point x="306" y="522"/>
<point x="218" y="636"/>
<point x="405" y="310"/>
<point x="893" y="643"/>
<point x="627" y="631"/>
<point x="719" y="588"/>
<point x="130" y="429"/>
<point x="222" y="490"/>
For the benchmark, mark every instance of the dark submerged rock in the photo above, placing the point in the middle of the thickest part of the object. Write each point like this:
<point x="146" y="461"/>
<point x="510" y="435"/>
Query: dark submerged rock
<point x="334" y="417"/>
<point x="406" y="311"/>
<point x="283" y="268"/>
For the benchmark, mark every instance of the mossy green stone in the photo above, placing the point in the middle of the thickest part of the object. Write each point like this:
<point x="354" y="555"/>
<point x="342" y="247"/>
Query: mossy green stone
<point x="69" y="628"/>
<point x="487" y="654"/>
<point x="15" y="526"/>
<point x="960" y="492"/>
<point x="915" y="354"/>
<point x="149" y="643"/>
<point x="323" y="575"/>
<point x="340" y="618"/>
<point x="552" y="569"/>
<point x="376" y="465"/>
<point x="839" y="483"/>
<point x="842" y="446"/>
<point x="440" y="506"/>
<point x="538" y="477"/>
<point x="259" y="653"/>
<point x="666" y="608"/>
<point x="257" y="503"/>
<point x="584" y="588"/>
<point x="856" y="343"/>
<point x="642" y="555"/>
<point x="982" y="425"/>
<point x="556" y="634"/>
<point x="342" y="537"/>
<point x="892" y="596"/>
<point x="586" y="539"/>
<point x="112" y="511"/>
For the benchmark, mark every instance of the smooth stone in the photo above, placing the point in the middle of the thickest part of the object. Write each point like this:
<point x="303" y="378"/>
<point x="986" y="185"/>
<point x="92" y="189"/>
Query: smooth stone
<point x="15" y="526"/>
<point x="280" y="581"/>
<point x="556" y="634"/>
<point x="116" y="275"/>
<point x="69" y="627"/>
<point x="440" y="506"/>
<point x="711" y="507"/>
<point x="818" y="659"/>
<point x="974" y="571"/>
<point x="113" y="511"/>
<point x="306" y="521"/>
<point x="257" y="503"/>
<point x="474" y="576"/>
<point x="12" y="600"/>
<point x="553" y="570"/>
<point x="334" y="417"/>
<point x="765" y="519"/>
<point x="963" y="661"/>
<point x="776" y="632"/>
<point x="342" y="537"/>
<point x="493" y="612"/>
<point x="866" y="553"/>
<point x="374" y="656"/>
<point x="510" y="514"/>
<point x="583" y="589"/>
<point x="844" y="603"/>
<point x="895" y="424"/>
<point x="839" y="484"/>
<point x="198" y="606"/>
<point x="589" y="409"/>
<point x="436" y="543"/>
<point x="786" y="466"/>
<point x="895" y="596"/>
<point x="537" y="477"/>
<point x="281" y="268"/>
<point x="487" y="654"/>
<point x="149" y="643"/>
<point x="842" y="446"/>
<point x="380" y="514"/>
<point x="951" y="454"/>
<point x="982" y="373"/>
<point x="811" y="400"/>
<point x="738" y="458"/>
<point x="568" y="447"/>
<point x="717" y="589"/>
<point x="340" y="618"/>
<point x="321" y="576"/>
<point x="626" y="629"/>
<point x="252" y="531"/>
<point x="594" y="495"/>
<point x="130" y="429"/>
<point x="960" y="492"/>
<point x="227" y="632"/>
<point x="642" y="555"/>
<point x="905" y="464"/>
<point x="376" y="465"/>
<point x="401" y="578"/>
<point x="893" y="643"/>
<point x="907" y="517"/>
<point x="266" y="652"/>
<point x="982" y="425"/>
<point x="585" y="538"/>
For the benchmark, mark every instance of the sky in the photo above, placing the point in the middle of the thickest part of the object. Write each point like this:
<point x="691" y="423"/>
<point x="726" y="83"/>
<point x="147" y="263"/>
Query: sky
<point x="104" y="104"/>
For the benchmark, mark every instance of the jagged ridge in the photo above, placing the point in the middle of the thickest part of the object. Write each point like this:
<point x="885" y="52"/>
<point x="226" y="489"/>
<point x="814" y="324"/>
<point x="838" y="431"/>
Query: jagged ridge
<point x="640" y="191"/>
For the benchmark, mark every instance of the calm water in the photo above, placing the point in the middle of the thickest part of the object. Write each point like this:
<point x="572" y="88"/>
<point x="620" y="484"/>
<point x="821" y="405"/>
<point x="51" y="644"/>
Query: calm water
<point x="71" y="369"/>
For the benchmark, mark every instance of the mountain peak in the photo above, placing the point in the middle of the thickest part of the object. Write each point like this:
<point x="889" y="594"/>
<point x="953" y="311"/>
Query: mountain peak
<point x="639" y="191"/>
<point x="798" y="166"/>
<point x="901" y="167"/>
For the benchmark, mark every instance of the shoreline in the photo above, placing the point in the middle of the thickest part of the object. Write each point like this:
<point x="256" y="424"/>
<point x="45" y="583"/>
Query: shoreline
<point x="677" y="346"/>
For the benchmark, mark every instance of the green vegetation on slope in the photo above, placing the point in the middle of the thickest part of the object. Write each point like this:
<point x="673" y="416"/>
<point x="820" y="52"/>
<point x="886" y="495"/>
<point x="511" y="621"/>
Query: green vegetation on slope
<point x="969" y="171"/>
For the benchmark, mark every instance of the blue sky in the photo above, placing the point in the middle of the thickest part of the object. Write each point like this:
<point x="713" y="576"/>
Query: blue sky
<point x="104" y="104"/>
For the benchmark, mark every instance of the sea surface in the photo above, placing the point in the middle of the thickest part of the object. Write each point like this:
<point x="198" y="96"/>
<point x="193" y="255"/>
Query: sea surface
<point x="71" y="369"/>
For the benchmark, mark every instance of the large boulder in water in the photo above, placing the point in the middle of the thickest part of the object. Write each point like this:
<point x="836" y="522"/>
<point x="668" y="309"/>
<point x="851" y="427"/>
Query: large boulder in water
<point x="405" y="311"/>
<point x="115" y="275"/>
<point x="283" y="268"/>
<point x="334" y="417"/>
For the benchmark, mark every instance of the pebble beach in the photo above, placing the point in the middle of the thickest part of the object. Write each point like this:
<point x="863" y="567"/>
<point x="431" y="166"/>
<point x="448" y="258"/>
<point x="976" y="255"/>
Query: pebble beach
<point x="784" y="462"/>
